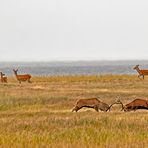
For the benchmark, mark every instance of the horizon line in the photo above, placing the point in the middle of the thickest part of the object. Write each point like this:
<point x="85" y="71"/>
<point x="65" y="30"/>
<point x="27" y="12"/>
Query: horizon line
<point x="78" y="60"/>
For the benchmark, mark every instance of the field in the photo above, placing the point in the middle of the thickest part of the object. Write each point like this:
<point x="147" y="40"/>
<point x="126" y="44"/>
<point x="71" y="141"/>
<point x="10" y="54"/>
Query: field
<point x="39" y="114"/>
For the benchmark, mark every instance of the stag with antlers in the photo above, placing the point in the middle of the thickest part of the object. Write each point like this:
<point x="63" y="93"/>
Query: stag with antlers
<point x="92" y="103"/>
<point x="134" y="105"/>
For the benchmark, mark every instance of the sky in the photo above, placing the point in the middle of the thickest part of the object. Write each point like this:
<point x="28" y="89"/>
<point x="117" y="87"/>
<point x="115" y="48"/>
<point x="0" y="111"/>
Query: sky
<point x="46" y="30"/>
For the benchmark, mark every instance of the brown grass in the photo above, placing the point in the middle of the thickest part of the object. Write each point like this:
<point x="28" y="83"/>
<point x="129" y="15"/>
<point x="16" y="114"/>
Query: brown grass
<point x="39" y="114"/>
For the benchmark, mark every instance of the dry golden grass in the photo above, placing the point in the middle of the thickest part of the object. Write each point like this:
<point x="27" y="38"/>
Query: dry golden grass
<point x="39" y="114"/>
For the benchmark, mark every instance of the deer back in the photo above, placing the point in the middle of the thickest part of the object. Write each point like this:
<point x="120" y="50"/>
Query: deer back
<point x="87" y="102"/>
<point x="137" y="102"/>
<point x="23" y="77"/>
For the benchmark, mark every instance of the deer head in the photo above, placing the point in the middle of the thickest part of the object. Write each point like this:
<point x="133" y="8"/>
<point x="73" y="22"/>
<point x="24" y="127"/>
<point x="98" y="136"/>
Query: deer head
<point x="136" y="67"/>
<point x="2" y="74"/>
<point x="15" y="71"/>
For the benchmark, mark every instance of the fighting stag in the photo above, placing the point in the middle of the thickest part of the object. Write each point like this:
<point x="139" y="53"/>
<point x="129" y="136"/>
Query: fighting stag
<point x="22" y="77"/>
<point x="135" y="105"/>
<point x="3" y="79"/>
<point x="92" y="103"/>
<point x="142" y="72"/>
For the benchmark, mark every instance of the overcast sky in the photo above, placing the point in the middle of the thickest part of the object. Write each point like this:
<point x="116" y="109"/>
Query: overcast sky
<point x="45" y="30"/>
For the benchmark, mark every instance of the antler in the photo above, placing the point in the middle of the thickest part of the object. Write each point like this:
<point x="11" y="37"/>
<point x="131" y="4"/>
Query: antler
<point x="118" y="101"/>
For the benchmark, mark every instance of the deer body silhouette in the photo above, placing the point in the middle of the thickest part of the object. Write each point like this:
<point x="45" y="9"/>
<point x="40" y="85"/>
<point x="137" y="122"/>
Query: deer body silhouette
<point x="22" y="77"/>
<point x="142" y="72"/>
<point x="3" y="79"/>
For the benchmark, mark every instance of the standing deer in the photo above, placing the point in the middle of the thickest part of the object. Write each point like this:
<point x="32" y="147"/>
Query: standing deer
<point x="141" y="72"/>
<point x="22" y="77"/>
<point x="134" y="105"/>
<point x="3" y="79"/>
<point x="92" y="103"/>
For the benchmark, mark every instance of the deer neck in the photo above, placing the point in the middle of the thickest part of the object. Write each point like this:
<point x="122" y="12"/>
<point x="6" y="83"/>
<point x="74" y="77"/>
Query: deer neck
<point x="138" y="70"/>
<point x="15" y="74"/>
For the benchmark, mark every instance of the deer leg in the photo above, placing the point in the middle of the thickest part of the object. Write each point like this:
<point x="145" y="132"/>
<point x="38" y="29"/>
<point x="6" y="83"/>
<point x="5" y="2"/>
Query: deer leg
<point x="122" y="109"/>
<point x="96" y="108"/>
<point x="76" y="108"/>
<point x="143" y="76"/>
<point x="108" y="109"/>
<point x="135" y="109"/>
<point x="29" y="81"/>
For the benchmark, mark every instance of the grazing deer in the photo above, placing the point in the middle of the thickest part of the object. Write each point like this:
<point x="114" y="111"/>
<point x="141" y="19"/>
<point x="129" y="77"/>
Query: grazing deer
<point x="134" y="105"/>
<point x="92" y="103"/>
<point x="3" y="79"/>
<point x="141" y="72"/>
<point x="24" y="77"/>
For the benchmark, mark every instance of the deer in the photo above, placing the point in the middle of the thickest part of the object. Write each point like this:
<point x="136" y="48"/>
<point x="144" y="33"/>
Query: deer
<point x="3" y="79"/>
<point x="134" y="105"/>
<point x="92" y="103"/>
<point x="141" y="72"/>
<point x="22" y="77"/>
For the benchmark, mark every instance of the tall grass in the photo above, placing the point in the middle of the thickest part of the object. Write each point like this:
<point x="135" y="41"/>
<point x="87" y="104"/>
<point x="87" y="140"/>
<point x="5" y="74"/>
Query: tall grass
<point x="39" y="114"/>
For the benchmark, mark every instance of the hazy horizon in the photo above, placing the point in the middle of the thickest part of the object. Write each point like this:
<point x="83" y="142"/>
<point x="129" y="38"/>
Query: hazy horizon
<point x="72" y="67"/>
<point x="76" y="60"/>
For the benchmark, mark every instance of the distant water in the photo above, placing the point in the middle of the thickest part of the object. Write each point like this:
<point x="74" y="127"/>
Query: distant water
<point x="72" y="68"/>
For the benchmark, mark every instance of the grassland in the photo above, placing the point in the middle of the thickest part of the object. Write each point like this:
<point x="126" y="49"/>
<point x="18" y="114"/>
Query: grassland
<point x="39" y="114"/>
